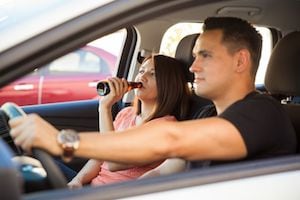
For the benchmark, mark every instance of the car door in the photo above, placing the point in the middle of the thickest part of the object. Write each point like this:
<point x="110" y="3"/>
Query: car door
<point x="24" y="91"/>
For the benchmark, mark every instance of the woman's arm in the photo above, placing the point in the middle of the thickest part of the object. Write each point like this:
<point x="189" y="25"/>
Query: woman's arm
<point x="106" y="124"/>
<point x="117" y="89"/>
<point x="169" y="166"/>
<point x="105" y="118"/>
<point x="86" y="174"/>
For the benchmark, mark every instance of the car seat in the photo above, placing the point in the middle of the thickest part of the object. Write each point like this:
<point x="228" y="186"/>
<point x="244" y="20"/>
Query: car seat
<point x="184" y="53"/>
<point x="283" y="77"/>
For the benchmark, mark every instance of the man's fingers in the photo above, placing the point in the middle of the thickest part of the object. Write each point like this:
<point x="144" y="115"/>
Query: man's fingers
<point x="16" y="125"/>
<point x="15" y="121"/>
<point x="22" y="131"/>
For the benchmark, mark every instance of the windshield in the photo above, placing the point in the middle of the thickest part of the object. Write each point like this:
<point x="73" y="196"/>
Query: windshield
<point x="22" y="19"/>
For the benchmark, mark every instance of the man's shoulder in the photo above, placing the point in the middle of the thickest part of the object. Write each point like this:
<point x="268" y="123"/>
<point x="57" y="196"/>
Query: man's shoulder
<point x="205" y="111"/>
<point x="258" y="99"/>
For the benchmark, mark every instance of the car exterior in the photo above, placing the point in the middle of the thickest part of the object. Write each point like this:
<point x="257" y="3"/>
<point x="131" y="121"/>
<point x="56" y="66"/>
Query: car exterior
<point x="274" y="178"/>
<point x="72" y="77"/>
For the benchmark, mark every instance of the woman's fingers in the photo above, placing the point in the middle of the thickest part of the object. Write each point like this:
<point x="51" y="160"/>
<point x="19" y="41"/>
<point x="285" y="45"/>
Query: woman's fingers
<point x="124" y="85"/>
<point x="118" y="87"/>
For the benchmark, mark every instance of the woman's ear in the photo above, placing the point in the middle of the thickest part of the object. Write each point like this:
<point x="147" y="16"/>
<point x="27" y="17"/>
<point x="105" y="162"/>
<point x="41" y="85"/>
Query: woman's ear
<point x="243" y="60"/>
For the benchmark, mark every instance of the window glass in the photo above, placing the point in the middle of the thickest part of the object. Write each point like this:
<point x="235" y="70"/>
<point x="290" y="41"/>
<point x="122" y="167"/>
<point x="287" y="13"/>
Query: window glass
<point x="178" y="31"/>
<point x="174" y="34"/>
<point x="80" y="61"/>
<point x="71" y="77"/>
<point x="67" y="63"/>
<point x="265" y="54"/>
<point x="92" y="63"/>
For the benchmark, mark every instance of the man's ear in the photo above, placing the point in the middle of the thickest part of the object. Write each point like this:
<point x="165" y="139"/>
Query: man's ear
<point x="242" y="60"/>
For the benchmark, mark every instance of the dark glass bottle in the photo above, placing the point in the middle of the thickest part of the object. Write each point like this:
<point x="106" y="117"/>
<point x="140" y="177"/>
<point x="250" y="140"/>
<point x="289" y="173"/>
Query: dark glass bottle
<point x="103" y="87"/>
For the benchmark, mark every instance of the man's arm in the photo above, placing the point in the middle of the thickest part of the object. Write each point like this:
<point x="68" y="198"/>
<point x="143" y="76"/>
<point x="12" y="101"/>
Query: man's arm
<point x="205" y="139"/>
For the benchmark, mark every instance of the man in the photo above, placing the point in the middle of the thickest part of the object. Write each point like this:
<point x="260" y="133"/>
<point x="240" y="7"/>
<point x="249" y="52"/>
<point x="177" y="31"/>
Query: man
<point x="243" y="124"/>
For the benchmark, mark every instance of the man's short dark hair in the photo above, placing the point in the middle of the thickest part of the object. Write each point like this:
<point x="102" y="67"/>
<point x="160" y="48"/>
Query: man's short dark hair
<point x="237" y="34"/>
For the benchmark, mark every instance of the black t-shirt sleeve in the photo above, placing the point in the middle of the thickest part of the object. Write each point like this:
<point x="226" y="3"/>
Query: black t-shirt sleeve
<point x="263" y="126"/>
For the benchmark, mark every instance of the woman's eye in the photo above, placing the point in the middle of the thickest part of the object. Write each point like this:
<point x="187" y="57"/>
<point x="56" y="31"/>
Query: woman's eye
<point x="141" y="71"/>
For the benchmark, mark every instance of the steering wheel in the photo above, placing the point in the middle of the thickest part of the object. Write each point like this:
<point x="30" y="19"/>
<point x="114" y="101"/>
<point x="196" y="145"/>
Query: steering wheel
<point x="54" y="175"/>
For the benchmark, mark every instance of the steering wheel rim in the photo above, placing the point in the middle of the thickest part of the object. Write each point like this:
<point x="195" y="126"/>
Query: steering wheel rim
<point x="54" y="174"/>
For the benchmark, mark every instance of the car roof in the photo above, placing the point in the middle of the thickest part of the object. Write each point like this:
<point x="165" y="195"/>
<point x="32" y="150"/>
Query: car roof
<point x="20" y="20"/>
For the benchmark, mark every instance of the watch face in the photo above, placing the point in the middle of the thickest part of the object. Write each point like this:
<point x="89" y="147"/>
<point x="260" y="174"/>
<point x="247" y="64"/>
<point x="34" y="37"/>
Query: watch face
<point x="68" y="138"/>
<point x="69" y="141"/>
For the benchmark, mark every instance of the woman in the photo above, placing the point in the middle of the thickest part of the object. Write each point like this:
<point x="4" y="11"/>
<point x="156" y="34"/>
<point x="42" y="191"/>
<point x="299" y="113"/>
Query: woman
<point x="163" y="96"/>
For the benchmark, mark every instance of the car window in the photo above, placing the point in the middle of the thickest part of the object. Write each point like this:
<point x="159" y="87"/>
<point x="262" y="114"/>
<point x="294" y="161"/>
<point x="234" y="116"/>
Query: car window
<point x="80" y="61"/>
<point x="178" y="31"/>
<point x="71" y="77"/>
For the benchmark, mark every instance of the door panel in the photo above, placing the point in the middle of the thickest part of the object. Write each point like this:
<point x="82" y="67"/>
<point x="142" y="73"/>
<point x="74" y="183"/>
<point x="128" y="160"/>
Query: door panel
<point x="78" y="115"/>
<point x="81" y="116"/>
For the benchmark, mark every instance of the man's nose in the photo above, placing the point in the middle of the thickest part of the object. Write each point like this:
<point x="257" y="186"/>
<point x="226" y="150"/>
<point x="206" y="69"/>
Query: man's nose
<point x="195" y="66"/>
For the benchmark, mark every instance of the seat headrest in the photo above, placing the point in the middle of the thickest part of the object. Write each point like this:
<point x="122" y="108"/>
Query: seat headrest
<point x="184" y="53"/>
<point x="283" y="72"/>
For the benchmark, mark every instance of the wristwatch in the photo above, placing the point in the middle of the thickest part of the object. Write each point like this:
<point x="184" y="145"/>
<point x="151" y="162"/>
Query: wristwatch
<point x="69" y="142"/>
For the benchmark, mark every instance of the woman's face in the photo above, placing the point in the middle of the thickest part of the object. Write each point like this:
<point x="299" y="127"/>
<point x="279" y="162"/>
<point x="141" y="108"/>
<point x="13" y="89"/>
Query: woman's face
<point x="146" y="75"/>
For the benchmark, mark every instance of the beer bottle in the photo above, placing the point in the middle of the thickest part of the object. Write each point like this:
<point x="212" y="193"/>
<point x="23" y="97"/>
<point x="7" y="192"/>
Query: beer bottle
<point x="103" y="87"/>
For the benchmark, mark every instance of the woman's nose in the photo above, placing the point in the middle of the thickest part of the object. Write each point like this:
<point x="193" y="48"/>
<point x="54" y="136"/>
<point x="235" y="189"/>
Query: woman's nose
<point x="141" y="77"/>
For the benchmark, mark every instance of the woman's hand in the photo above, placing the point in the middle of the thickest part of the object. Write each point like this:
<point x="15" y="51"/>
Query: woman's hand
<point x="75" y="184"/>
<point x="118" y="87"/>
<point x="32" y="131"/>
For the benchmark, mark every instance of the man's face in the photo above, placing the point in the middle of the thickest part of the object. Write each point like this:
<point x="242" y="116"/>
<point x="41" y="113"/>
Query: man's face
<point x="213" y="65"/>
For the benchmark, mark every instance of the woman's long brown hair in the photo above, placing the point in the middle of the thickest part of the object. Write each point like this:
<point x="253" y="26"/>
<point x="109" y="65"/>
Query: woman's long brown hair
<point x="172" y="89"/>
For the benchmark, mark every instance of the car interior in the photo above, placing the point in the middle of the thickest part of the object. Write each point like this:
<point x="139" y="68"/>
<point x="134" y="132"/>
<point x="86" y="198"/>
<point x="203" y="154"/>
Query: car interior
<point x="145" y="25"/>
<point x="281" y="77"/>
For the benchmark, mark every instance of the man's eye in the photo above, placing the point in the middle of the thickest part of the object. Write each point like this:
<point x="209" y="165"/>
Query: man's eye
<point x="205" y="55"/>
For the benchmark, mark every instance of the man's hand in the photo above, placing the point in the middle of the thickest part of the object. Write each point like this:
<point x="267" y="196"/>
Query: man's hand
<point x="32" y="131"/>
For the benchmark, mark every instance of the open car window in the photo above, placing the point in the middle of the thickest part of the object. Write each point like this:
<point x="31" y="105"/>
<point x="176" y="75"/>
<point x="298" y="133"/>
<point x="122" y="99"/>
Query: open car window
<point x="71" y="77"/>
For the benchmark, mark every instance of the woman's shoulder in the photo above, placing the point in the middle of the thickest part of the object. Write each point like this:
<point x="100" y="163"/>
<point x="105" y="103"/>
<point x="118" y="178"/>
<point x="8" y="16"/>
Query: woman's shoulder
<point x="126" y="112"/>
<point x="128" y="109"/>
<point x="125" y="118"/>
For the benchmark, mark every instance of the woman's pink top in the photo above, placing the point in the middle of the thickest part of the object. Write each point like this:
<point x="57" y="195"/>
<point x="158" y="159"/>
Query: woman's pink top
<point x="125" y="119"/>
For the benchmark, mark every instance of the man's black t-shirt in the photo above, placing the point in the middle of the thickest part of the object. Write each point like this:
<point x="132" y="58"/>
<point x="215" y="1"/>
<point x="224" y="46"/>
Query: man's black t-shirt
<point x="263" y="124"/>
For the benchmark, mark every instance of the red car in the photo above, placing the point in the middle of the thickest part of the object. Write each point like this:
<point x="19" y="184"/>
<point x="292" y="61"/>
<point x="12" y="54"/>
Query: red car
<point x="71" y="77"/>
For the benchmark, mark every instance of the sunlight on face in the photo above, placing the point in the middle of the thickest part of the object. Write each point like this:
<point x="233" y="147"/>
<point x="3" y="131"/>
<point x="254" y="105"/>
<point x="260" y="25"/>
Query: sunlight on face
<point x="146" y="75"/>
<point x="212" y="65"/>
